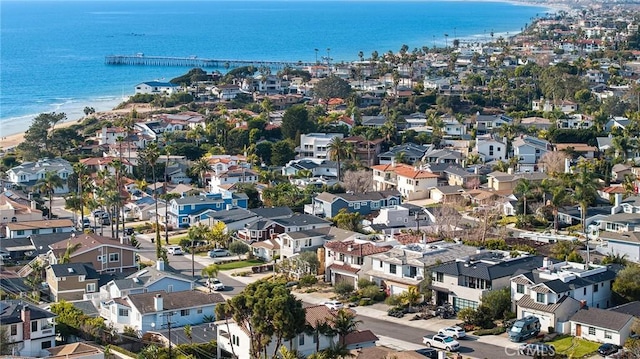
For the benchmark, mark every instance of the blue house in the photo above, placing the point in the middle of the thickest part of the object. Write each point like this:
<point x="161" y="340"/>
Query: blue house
<point x="183" y="212"/>
<point x="149" y="279"/>
<point x="150" y="311"/>
<point x="328" y="204"/>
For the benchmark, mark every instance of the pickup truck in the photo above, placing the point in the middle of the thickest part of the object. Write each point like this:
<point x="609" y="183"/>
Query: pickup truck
<point x="442" y="342"/>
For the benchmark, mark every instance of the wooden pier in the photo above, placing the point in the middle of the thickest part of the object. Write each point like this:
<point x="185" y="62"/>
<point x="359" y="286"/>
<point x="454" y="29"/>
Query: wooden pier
<point x="194" y="61"/>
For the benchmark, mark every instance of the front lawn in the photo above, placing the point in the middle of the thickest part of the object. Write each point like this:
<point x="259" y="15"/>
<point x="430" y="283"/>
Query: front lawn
<point x="574" y="347"/>
<point x="240" y="264"/>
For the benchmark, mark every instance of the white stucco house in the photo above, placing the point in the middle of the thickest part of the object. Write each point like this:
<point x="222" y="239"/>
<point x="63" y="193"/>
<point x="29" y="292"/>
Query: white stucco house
<point x="156" y="88"/>
<point x="603" y="326"/>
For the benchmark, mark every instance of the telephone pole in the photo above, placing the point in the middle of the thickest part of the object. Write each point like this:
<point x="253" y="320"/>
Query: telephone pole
<point x="169" y="315"/>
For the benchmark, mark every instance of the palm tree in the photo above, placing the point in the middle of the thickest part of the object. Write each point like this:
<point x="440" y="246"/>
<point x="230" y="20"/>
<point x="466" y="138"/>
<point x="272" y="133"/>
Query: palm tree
<point x="119" y="169"/>
<point x="151" y="155"/>
<point x="286" y="353"/>
<point x="585" y="191"/>
<point x="524" y="187"/>
<point x="337" y="150"/>
<point x="210" y="271"/>
<point x="559" y="198"/>
<point x="320" y="327"/>
<point x="410" y="297"/>
<point x="345" y="323"/>
<point x="81" y="173"/>
<point x="196" y="134"/>
<point x="201" y="166"/>
<point x="188" y="332"/>
<point x="369" y="135"/>
<point x="501" y="166"/>
<point x="47" y="185"/>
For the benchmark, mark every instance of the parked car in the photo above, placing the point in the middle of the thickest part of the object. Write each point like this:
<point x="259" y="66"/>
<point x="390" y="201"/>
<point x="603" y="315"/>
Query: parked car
<point x="334" y="304"/>
<point x="428" y="352"/>
<point x="524" y="328"/>
<point x="442" y="342"/>
<point x="215" y="284"/>
<point x="218" y="252"/>
<point x="175" y="250"/>
<point x="608" y="349"/>
<point x="84" y="223"/>
<point x="5" y="255"/>
<point x="454" y="332"/>
<point x="128" y="231"/>
<point x="538" y="350"/>
<point x="98" y="213"/>
<point x="105" y="219"/>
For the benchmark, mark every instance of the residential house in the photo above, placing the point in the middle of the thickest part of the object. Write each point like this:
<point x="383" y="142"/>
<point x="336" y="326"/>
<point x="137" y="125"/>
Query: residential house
<point x="230" y="177"/>
<point x="233" y="338"/>
<point x="97" y="164"/>
<point x="43" y="226"/>
<point x="575" y="121"/>
<point x="625" y="244"/>
<point x="178" y="173"/>
<point x="233" y="219"/>
<point x="539" y="123"/>
<point x="328" y="204"/>
<point x="226" y="92"/>
<point x="316" y="145"/>
<point x="411" y="153"/>
<point x="105" y="254"/>
<point x="77" y="350"/>
<point x="374" y="121"/>
<point x="149" y="279"/>
<point x="572" y="215"/>
<point x="403" y="267"/>
<point x="625" y="215"/>
<point x="156" y="88"/>
<point x="446" y="194"/>
<point x="264" y="228"/>
<point x="444" y="155"/>
<point x="616" y="122"/>
<point x="491" y="148"/>
<point x="578" y="149"/>
<point x="70" y="281"/>
<point x="271" y="84"/>
<point x="13" y="209"/>
<point x="28" y="173"/>
<point x="619" y="171"/>
<point x="453" y="128"/>
<point x="411" y="182"/>
<point x="528" y="150"/>
<point x="344" y="259"/>
<point x="318" y="168"/>
<point x="545" y="105"/>
<point x="488" y="123"/>
<point x="31" y="330"/>
<point x="266" y="249"/>
<point x="458" y="176"/>
<point x="365" y="151"/>
<point x="192" y="209"/>
<point x="542" y="291"/>
<point x="603" y="326"/>
<point x="147" y="311"/>
<point x="500" y="181"/>
<point x="464" y="281"/>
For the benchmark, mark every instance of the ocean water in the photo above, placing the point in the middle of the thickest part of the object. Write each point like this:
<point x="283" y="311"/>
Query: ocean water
<point x="52" y="52"/>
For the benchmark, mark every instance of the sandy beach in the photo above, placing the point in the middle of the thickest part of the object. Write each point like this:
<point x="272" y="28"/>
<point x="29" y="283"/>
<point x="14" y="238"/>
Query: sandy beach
<point x="10" y="141"/>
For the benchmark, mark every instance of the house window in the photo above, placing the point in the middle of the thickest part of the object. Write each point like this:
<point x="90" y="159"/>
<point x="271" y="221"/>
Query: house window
<point x="520" y="288"/>
<point x="607" y="335"/>
<point x="114" y="257"/>
<point x="540" y="297"/>
<point x="91" y="287"/>
<point x="34" y="326"/>
<point x="584" y="291"/>
<point x="595" y="287"/>
<point x="592" y="331"/>
<point x="392" y="268"/>
<point x="46" y="344"/>
<point x="381" y="264"/>
<point x="439" y="277"/>
<point x="14" y="329"/>
<point x="123" y="312"/>
<point x="301" y="339"/>
<point x="184" y="312"/>
<point x="20" y="232"/>
<point x="199" y="311"/>
<point x="35" y="231"/>
<point x="413" y="271"/>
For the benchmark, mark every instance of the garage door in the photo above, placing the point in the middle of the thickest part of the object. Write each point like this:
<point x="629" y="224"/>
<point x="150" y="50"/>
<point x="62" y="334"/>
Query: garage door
<point x="545" y="320"/>
<point x="395" y="290"/>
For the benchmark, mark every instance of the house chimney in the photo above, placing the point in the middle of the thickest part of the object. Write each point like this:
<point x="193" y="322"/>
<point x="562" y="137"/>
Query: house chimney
<point x="583" y="304"/>
<point x="160" y="265"/>
<point x="33" y="204"/>
<point x="547" y="263"/>
<point x="618" y="199"/>
<point x="25" y="315"/>
<point x="157" y="303"/>
<point x="510" y="170"/>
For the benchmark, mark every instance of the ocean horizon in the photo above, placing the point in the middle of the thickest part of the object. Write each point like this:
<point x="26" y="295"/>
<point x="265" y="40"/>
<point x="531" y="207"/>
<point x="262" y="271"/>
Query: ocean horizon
<point x="53" y="51"/>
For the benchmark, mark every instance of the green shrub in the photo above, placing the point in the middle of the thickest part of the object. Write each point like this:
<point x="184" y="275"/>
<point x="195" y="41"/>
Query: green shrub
<point x="494" y="331"/>
<point x="354" y="298"/>
<point x="364" y="302"/>
<point x="370" y="291"/>
<point x="363" y="283"/>
<point x="393" y="300"/>
<point x="307" y="280"/>
<point x="343" y="289"/>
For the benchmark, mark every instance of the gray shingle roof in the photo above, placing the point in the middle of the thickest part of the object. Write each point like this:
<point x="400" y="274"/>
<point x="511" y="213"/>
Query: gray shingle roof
<point x="10" y="311"/>
<point x="196" y="200"/>
<point x="632" y="308"/>
<point x="75" y="269"/>
<point x="272" y="212"/>
<point x="144" y="302"/>
<point x="300" y="220"/>
<point x="489" y="271"/>
<point x="527" y="302"/>
<point x="606" y="319"/>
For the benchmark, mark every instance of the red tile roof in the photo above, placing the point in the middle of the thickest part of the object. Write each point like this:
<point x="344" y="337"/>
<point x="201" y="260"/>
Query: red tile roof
<point x="344" y="267"/>
<point x="356" y="249"/>
<point x="360" y="336"/>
